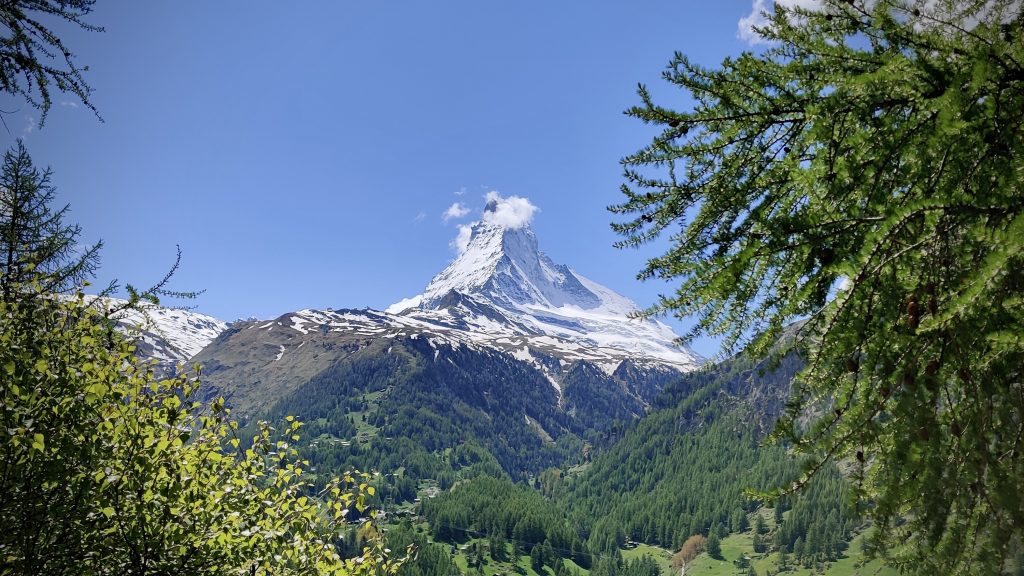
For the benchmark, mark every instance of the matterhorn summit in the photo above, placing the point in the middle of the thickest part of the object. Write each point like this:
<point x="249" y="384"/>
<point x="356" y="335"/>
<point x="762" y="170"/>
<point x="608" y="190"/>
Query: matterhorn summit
<point x="502" y="282"/>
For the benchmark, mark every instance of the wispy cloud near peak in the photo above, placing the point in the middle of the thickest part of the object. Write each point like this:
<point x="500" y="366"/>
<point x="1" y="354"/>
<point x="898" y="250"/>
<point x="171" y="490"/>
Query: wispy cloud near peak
<point x="745" y="27"/>
<point x="454" y="212"/>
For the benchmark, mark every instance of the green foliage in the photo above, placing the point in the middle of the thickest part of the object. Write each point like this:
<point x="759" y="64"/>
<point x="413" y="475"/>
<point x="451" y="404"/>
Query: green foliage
<point x="108" y="470"/>
<point x="739" y="523"/>
<point x="596" y="400"/>
<point x="863" y="173"/>
<point x="759" y="526"/>
<point x="537" y="558"/>
<point x="815" y="515"/>
<point x="33" y="58"/>
<point x="646" y="565"/>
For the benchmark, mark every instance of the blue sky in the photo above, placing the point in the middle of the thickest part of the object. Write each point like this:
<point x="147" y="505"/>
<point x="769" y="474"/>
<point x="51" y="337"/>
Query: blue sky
<point x="303" y="154"/>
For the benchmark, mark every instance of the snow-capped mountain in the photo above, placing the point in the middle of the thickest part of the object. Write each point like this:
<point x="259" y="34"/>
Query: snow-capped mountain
<point x="501" y="287"/>
<point x="501" y="307"/>
<point x="169" y="335"/>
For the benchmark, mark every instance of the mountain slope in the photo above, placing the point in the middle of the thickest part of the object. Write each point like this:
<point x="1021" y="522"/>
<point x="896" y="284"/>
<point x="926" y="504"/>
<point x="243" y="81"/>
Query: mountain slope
<point x="435" y="384"/>
<point x="683" y="468"/>
<point x="504" y="348"/>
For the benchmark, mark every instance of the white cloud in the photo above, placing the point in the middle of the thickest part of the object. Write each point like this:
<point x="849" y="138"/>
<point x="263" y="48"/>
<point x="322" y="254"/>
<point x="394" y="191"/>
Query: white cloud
<point x="460" y="191"/>
<point x="69" y="103"/>
<point x="420" y="217"/>
<point x="30" y="126"/>
<point x="745" y="26"/>
<point x="460" y="242"/>
<point x="512" y="212"/>
<point x="455" y="211"/>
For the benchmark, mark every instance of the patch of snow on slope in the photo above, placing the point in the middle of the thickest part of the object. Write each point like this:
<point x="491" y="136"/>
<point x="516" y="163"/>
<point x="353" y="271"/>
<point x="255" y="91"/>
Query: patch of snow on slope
<point x="554" y="383"/>
<point x="608" y="367"/>
<point x="522" y="354"/>
<point x="404" y="304"/>
<point x="299" y="323"/>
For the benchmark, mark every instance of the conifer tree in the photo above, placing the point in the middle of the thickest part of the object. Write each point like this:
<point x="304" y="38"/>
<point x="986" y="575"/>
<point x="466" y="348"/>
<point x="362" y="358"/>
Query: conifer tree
<point x="714" y="545"/>
<point x="738" y="523"/>
<point x="537" y="558"/>
<point x="862" y="174"/>
<point x="36" y="244"/>
<point x="34" y="59"/>
<point x="758" y="543"/>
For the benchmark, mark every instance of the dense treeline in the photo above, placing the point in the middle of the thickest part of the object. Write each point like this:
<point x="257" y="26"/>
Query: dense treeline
<point x="597" y="400"/>
<point x="614" y="565"/>
<point x="683" y="469"/>
<point x="327" y="399"/>
<point x="659" y="487"/>
<point x="430" y="559"/>
<point x="483" y="396"/>
<point x="382" y="454"/>
<point x="404" y="464"/>
<point x="441" y="396"/>
<point x="496" y="508"/>
<point x="817" y="529"/>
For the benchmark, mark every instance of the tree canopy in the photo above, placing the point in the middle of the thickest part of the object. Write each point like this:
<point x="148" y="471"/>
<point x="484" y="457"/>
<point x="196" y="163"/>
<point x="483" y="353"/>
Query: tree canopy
<point x="34" y="59"/>
<point x="863" y="174"/>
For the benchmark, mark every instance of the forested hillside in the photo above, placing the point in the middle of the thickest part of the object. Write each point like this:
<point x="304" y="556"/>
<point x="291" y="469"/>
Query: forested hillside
<point x="684" y="468"/>
<point x="679" y="472"/>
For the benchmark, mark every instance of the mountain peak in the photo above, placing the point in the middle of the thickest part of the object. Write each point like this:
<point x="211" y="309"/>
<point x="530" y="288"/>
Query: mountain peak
<point x="504" y="265"/>
<point x="500" y="266"/>
<point x="491" y="206"/>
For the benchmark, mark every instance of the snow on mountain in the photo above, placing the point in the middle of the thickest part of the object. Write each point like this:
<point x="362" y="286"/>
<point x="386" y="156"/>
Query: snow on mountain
<point x="502" y="287"/>
<point x="501" y="302"/>
<point x="500" y="293"/>
<point x="404" y="304"/>
<point x="169" y="335"/>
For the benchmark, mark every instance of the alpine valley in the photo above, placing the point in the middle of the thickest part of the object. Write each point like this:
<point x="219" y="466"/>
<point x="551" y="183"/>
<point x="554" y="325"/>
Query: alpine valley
<point x="523" y="420"/>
